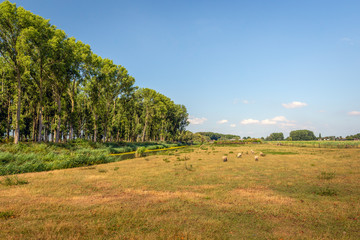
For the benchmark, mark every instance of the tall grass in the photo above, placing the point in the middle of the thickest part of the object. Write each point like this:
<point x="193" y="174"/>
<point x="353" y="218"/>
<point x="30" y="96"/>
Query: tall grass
<point x="33" y="157"/>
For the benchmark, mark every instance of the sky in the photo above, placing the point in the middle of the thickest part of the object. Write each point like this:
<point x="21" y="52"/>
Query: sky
<point x="246" y="67"/>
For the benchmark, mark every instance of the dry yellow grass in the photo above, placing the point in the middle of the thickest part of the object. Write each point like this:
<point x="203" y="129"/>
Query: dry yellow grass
<point x="193" y="195"/>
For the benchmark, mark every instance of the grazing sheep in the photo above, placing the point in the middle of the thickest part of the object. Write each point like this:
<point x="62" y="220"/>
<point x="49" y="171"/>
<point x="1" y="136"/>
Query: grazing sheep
<point x="256" y="158"/>
<point x="239" y="155"/>
<point x="252" y="151"/>
<point x="262" y="154"/>
<point x="224" y="158"/>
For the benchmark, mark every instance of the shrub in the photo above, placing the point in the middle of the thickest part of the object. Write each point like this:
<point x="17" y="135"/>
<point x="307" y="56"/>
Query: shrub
<point x="140" y="152"/>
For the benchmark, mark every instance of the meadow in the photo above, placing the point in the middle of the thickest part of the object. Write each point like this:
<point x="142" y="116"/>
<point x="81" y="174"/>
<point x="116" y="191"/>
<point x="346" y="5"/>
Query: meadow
<point x="37" y="157"/>
<point x="290" y="193"/>
<point x="320" y="144"/>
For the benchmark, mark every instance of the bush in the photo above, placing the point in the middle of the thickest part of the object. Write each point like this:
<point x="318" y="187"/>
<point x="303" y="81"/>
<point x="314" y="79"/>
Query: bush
<point x="140" y="152"/>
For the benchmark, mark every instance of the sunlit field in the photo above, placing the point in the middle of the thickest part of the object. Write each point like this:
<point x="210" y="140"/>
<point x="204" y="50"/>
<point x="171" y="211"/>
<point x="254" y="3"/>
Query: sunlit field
<point x="290" y="193"/>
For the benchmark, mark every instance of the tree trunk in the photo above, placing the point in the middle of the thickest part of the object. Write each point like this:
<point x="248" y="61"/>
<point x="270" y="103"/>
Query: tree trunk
<point x="40" y="123"/>
<point x="72" y="95"/>
<point x="105" y="133"/>
<point x="33" y="137"/>
<point x="18" y="107"/>
<point x="46" y="137"/>
<point x="58" y="100"/>
<point x="95" y="128"/>
<point x="145" y="126"/>
<point x="8" y="119"/>
<point x="41" y="106"/>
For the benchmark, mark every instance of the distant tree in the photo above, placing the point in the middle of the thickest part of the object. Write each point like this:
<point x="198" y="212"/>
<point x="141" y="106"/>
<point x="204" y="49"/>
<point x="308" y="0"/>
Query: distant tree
<point x="211" y="135"/>
<point x="302" y="135"/>
<point x="275" y="137"/>
<point x="353" y="137"/>
<point x="219" y="136"/>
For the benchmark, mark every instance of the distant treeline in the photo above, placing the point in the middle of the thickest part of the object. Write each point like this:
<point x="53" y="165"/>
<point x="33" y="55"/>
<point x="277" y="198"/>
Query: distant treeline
<point x="54" y="88"/>
<point x="353" y="137"/>
<point x="307" y="135"/>
<point x="219" y="136"/>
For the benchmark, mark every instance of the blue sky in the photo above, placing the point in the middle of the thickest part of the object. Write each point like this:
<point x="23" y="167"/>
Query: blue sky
<point x="248" y="68"/>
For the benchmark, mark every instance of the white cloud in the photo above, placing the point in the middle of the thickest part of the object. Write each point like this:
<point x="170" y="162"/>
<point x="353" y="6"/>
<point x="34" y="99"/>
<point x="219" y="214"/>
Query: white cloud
<point x="245" y="101"/>
<point x="196" y="121"/>
<point x="276" y="120"/>
<point x="268" y="122"/>
<point x="232" y="125"/>
<point x="354" y="113"/>
<point x="280" y="119"/>
<point x="249" y="121"/>
<point x="222" y="121"/>
<point x="294" y="104"/>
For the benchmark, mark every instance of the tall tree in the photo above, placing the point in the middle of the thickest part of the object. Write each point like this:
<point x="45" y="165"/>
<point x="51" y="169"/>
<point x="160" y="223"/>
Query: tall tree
<point x="12" y="23"/>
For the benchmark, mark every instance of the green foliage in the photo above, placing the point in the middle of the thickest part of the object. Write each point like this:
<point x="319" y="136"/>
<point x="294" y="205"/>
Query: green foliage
<point x="244" y="141"/>
<point x="70" y="92"/>
<point x="219" y="136"/>
<point x="353" y="137"/>
<point x="275" y="137"/>
<point x="302" y="135"/>
<point x="140" y="152"/>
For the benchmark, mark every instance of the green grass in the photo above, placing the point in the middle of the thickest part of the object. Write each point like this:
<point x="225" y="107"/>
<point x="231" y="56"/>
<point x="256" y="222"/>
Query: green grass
<point x="319" y="144"/>
<point x="33" y="157"/>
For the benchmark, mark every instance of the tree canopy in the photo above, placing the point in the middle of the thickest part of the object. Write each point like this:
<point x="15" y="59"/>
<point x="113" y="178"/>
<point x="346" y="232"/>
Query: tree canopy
<point x="219" y="136"/>
<point x="54" y="88"/>
<point x="275" y="137"/>
<point x="302" y="135"/>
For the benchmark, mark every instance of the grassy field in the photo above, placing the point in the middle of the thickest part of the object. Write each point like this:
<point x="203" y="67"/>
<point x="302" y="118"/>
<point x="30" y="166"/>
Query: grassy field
<point x="319" y="144"/>
<point x="290" y="193"/>
<point x="34" y="157"/>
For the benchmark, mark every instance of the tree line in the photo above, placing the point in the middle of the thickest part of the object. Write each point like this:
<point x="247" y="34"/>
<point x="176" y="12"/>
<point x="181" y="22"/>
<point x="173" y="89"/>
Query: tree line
<point x="54" y="88"/>
<point x="219" y="136"/>
<point x="306" y="135"/>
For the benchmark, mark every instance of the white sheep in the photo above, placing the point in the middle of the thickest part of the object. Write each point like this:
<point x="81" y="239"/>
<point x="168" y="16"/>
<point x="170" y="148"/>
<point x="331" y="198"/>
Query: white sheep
<point x="224" y="158"/>
<point x="256" y="158"/>
<point x="239" y="155"/>
<point x="262" y="154"/>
